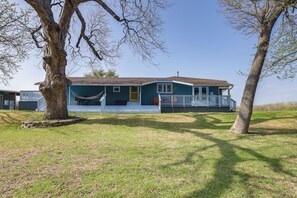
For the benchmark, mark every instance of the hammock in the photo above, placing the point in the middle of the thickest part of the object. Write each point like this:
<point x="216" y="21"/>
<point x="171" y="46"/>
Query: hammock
<point x="88" y="98"/>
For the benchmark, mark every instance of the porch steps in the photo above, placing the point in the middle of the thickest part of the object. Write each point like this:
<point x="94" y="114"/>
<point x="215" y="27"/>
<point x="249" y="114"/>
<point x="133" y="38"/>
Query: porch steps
<point x="132" y="103"/>
<point x="131" y="109"/>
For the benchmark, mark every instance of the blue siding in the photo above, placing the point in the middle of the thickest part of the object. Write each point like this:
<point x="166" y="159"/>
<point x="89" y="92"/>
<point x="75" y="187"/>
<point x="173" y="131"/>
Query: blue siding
<point x="179" y="89"/>
<point x="148" y="92"/>
<point x="28" y="105"/>
<point x="112" y="97"/>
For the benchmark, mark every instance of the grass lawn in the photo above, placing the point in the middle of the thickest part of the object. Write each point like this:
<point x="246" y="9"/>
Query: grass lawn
<point x="164" y="155"/>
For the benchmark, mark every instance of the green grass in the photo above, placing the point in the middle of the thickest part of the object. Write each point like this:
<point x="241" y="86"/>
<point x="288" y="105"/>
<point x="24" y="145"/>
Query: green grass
<point x="166" y="155"/>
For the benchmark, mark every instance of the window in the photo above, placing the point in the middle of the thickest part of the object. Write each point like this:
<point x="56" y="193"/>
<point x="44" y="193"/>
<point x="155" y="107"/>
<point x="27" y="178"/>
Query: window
<point x="200" y="91"/>
<point x="164" y="87"/>
<point x="204" y="92"/>
<point x="196" y="91"/>
<point x="6" y="102"/>
<point x="116" y="89"/>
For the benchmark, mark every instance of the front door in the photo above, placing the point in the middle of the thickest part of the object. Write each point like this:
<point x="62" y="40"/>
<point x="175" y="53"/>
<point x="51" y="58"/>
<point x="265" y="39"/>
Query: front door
<point x="134" y="92"/>
<point x="201" y="94"/>
<point x="1" y="102"/>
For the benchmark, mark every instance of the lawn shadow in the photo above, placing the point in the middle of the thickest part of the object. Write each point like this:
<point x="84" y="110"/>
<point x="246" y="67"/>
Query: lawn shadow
<point x="224" y="168"/>
<point x="6" y="118"/>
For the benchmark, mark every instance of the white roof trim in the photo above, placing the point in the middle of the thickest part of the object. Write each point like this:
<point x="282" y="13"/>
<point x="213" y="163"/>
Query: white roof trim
<point x="183" y="83"/>
<point x="167" y="81"/>
<point x="223" y="87"/>
<point x="156" y="81"/>
<point x="207" y="85"/>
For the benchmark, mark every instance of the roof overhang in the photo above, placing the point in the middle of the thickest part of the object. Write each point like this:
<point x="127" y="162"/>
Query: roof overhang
<point x="10" y="91"/>
<point x="225" y="87"/>
<point x="117" y="85"/>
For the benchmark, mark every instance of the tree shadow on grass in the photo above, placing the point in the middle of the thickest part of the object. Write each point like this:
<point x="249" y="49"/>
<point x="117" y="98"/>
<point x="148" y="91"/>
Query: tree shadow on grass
<point x="224" y="168"/>
<point x="6" y="118"/>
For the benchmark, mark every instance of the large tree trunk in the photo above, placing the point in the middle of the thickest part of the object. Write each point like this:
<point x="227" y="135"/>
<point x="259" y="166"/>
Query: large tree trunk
<point x="54" y="86"/>
<point x="242" y="122"/>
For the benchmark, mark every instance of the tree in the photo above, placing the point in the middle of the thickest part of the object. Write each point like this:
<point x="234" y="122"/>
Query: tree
<point x="13" y="39"/>
<point x="139" y="20"/>
<point x="275" y="23"/>
<point x="100" y="73"/>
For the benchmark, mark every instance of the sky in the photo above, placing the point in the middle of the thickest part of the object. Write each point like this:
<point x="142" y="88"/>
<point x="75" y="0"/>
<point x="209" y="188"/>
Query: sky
<point x="201" y="44"/>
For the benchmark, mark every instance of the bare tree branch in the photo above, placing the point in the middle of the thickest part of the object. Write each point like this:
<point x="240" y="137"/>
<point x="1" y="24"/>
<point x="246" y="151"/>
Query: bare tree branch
<point x="14" y="41"/>
<point x="83" y="35"/>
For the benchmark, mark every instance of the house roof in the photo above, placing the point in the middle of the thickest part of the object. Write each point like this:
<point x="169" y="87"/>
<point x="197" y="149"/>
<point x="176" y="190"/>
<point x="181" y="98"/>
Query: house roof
<point x="145" y="80"/>
<point x="9" y="91"/>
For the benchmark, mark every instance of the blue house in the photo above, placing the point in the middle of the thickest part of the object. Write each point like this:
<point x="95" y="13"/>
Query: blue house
<point x="147" y="95"/>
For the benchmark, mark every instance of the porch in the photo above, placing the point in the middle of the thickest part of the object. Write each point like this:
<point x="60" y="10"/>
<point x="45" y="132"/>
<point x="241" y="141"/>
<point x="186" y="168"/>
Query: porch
<point x="198" y="101"/>
<point x="162" y="103"/>
<point x="114" y="108"/>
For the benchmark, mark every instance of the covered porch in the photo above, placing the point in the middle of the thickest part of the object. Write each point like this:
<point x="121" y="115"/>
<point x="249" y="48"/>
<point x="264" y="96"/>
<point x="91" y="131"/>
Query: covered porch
<point x="93" y="95"/>
<point x="108" y="99"/>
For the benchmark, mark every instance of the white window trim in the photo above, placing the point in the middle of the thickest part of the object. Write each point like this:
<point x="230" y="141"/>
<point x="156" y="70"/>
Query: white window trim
<point x="200" y="90"/>
<point x="164" y="83"/>
<point x="116" y="87"/>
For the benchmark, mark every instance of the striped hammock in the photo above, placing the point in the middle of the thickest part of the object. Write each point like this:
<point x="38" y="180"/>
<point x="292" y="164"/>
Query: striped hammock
<point x="88" y="98"/>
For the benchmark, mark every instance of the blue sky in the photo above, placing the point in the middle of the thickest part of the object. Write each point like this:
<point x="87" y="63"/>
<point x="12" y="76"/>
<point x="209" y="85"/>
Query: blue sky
<point x="201" y="44"/>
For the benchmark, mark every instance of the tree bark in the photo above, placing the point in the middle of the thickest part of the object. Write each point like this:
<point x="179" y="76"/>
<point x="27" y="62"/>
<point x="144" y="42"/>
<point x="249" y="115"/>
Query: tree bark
<point x="242" y="122"/>
<point x="54" y="86"/>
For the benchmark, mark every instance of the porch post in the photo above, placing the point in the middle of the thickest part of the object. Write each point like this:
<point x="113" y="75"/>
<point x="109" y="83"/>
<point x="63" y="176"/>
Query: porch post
<point x="220" y="98"/>
<point x="69" y="95"/>
<point x="140" y="88"/>
<point x="14" y="101"/>
<point x="229" y="97"/>
<point x="104" y="89"/>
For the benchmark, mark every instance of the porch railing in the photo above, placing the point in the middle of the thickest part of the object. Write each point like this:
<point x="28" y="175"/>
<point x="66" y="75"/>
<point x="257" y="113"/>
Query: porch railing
<point x="103" y="102"/>
<point x="197" y="101"/>
<point x="233" y="105"/>
<point x="41" y="104"/>
<point x="160" y="102"/>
